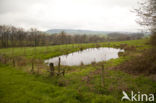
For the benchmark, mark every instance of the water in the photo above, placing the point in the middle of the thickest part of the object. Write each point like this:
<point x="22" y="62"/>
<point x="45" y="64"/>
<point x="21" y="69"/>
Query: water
<point x="86" y="56"/>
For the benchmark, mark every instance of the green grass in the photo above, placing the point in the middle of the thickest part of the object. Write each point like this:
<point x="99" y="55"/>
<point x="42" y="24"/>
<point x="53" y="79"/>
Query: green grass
<point x="19" y="87"/>
<point x="52" y="51"/>
<point x="81" y="84"/>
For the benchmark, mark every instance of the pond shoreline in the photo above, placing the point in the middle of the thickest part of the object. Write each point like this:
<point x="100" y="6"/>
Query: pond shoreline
<point x="86" y="56"/>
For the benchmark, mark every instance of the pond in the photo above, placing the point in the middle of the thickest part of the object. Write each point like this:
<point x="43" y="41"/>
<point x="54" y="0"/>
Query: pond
<point x="87" y="56"/>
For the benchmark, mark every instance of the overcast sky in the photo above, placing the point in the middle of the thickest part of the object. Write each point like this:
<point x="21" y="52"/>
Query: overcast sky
<point x="106" y="15"/>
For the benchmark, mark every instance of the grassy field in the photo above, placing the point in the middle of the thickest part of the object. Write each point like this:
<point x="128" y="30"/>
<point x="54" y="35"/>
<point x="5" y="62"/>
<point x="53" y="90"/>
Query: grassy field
<point x="81" y="84"/>
<point x="46" y="52"/>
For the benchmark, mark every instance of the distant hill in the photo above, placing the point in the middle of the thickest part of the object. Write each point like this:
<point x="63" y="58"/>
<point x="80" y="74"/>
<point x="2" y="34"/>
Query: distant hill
<point x="72" y="31"/>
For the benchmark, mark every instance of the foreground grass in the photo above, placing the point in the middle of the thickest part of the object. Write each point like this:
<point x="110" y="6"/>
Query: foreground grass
<point x="81" y="84"/>
<point x="19" y="87"/>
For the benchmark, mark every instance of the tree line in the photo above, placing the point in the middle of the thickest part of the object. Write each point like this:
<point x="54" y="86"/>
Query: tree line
<point x="11" y="36"/>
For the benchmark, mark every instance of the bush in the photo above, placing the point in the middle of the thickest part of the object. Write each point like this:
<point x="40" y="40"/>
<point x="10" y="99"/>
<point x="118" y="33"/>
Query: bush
<point x="146" y="63"/>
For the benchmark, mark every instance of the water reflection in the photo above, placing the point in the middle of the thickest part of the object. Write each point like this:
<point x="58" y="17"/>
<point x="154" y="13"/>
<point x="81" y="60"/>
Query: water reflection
<point x="86" y="56"/>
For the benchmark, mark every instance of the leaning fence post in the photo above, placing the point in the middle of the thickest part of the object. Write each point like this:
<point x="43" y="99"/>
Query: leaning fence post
<point x="51" y="69"/>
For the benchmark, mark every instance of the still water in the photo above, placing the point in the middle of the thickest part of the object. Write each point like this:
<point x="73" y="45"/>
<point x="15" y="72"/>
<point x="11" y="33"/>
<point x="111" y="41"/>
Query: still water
<point x="86" y="56"/>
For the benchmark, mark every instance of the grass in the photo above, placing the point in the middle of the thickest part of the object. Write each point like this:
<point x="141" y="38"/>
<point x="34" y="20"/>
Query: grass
<point x="19" y="87"/>
<point x="81" y="84"/>
<point x="52" y="51"/>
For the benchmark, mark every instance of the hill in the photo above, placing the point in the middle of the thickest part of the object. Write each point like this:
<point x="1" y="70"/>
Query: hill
<point x="72" y="31"/>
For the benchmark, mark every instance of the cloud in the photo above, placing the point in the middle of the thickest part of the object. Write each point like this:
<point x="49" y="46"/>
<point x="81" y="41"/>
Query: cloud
<point x="111" y="15"/>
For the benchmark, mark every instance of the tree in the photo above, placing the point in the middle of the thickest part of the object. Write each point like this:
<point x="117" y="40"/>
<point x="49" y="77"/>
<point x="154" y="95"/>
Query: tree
<point x="11" y="36"/>
<point x="147" y="14"/>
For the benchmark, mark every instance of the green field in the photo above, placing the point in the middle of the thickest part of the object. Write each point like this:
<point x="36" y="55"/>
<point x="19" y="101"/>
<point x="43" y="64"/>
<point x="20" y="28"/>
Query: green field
<point x="81" y="84"/>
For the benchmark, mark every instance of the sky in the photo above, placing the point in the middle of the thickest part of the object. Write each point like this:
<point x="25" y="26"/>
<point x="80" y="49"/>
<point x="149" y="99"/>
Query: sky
<point x="100" y="15"/>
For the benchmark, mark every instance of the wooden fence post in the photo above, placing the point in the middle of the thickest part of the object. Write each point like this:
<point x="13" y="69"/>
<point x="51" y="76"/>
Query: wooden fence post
<point x="63" y="72"/>
<point x="52" y="69"/>
<point x="13" y="61"/>
<point x="59" y="63"/>
<point x="5" y="59"/>
<point x="32" y="68"/>
<point x="102" y="76"/>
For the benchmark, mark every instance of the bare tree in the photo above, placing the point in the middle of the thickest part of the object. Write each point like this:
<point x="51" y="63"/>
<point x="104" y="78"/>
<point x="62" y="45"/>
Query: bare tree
<point x="147" y="14"/>
<point x="11" y="36"/>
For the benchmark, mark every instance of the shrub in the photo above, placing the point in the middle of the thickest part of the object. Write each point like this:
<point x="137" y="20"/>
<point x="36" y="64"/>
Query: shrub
<point x="146" y="63"/>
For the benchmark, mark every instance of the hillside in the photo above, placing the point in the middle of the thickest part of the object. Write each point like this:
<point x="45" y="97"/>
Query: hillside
<point x="72" y="31"/>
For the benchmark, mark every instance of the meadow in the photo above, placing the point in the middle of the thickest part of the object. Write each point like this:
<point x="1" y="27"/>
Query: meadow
<point x="80" y="84"/>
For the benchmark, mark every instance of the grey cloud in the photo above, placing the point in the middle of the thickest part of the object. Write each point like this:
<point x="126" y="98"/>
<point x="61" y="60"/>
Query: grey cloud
<point x="20" y="12"/>
<point x="17" y="5"/>
<point x="121" y="3"/>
